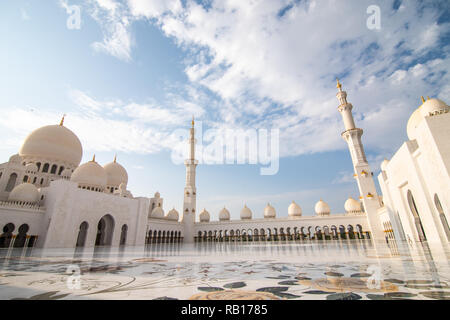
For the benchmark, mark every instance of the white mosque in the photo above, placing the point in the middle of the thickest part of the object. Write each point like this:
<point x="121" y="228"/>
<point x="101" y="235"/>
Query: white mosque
<point x="49" y="200"/>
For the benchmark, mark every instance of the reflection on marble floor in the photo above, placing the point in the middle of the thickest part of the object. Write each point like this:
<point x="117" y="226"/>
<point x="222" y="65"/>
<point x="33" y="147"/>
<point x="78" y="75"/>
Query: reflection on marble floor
<point x="258" y="270"/>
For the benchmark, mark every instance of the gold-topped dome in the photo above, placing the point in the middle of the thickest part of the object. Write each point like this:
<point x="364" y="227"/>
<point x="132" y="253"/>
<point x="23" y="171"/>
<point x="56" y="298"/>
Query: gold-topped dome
<point x="116" y="173"/>
<point x="54" y="143"/>
<point x="90" y="174"/>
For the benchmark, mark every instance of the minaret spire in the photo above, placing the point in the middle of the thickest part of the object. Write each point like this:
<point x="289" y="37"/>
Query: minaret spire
<point x="363" y="174"/>
<point x="190" y="190"/>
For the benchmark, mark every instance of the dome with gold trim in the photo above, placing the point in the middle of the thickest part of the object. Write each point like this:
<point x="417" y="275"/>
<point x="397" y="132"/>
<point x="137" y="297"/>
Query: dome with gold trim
<point x="246" y="213"/>
<point x="428" y="108"/>
<point x="90" y="175"/>
<point x="204" y="216"/>
<point x="294" y="210"/>
<point x="322" y="208"/>
<point x="269" y="212"/>
<point x="224" y="214"/>
<point x="53" y="143"/>
<point x="116" y="174"/>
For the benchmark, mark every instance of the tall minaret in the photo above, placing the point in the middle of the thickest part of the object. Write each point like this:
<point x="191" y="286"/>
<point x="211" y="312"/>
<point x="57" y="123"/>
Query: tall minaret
<point x="363" y="174"/>
<point x="190" y="191"/>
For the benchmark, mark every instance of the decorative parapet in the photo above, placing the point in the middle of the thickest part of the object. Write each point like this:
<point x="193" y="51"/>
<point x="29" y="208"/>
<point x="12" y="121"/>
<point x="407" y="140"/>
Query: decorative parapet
<point x="21" y="205"/>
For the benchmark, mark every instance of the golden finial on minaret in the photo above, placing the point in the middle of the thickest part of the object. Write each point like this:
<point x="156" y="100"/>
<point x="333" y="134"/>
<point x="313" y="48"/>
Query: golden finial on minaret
<point x="115" y="158"/>
<point x="338" y="85"/>
<point x="62" y="120"/>
<point x="423" y="99"/>
<point x="192" y="121"/>
<point x="93" y="158"/>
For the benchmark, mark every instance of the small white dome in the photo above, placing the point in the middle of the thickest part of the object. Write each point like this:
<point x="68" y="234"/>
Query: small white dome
<point x="224" y="214"/>
<point x="204" y="216"/>
<point x="90" y="174"/>
<point x="352" y="205"/>
<point x="322" y="208"/>
<point x="31" y="168"/>
<point x="246" y="213"/>
<point x="172" y="215"/>
<point x="157" y="213"/>
<point x="431" y="106"/>
<point x="428" y="106"/>
<point x="116" y="174"/>
<point x="25" y="192"/>
<point x="269" y="211"/>
<point x="157" y="195"/>
<point x="15" y="158"/>
<point x="294" y="210"/>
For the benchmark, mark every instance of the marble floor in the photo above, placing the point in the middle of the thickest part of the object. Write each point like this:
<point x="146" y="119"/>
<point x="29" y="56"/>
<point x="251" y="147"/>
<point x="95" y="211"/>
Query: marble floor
<point x="323" y="270"/>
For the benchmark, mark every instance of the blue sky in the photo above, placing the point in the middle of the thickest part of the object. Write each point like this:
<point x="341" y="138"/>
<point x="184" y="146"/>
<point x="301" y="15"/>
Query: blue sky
<point x="136" y="71"/>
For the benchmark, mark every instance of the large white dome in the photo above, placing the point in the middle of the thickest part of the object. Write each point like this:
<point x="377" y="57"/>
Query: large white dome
<point x="204" y="216"/>
<point x="116" y="174"/>
<point x="294" y="210"/>
<point x="246" y="213"/>
<point x="224" y="214"/>
<point x="322" y="208"/>
<point x="352" y="205"/>
<point x="269" y="211"/>
<point x="53" y="143"/>
<point x="25" y="192"/>
<point x="90" y="174"/>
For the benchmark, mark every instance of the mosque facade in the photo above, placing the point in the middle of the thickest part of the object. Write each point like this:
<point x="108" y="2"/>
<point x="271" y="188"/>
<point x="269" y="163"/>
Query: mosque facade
<point x="49" y="200"/>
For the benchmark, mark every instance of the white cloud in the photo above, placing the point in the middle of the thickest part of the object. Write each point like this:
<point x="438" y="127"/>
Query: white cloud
<point x="113" y="20"/>
<point x="273" y="63"/>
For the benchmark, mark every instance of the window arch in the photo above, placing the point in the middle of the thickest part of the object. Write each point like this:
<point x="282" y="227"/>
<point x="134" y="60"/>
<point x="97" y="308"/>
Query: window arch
<point x="82" y="234"/>
<point x="444" y="221"/>
<point x="53" y="170"/>
<point x="415" y="213"/>
<point x="11" y="182"/>
<point x="60" y="170"/>
<point x="45" y="168"/>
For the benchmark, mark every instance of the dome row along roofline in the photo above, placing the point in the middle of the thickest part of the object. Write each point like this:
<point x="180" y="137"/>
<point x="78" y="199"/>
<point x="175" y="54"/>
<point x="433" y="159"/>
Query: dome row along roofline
<point x="294" y="211"/>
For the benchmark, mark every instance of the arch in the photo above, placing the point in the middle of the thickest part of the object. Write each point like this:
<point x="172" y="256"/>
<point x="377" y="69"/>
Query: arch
<point x="415" y="213"/>
<point x="82" y="234"/>
<point x="444" y="221"/>
<point x="351" y="233"/>
<point x="61" y="169"/>
<point x="105" y="231"/>
<point x="123" y="235"/>
<point x="310" y="232"/>
<point x="6" y="236"/>
<point x="149" y="237"/>
<point x="21" y="236"/>
<point x="334" y="232"/>
<point x="11" y="182"/>
<point x="38" y="164"/>
<point x="25" y="178"/>
<point x="359" y="231"/>
<point x="342" y="232"/>
<point x="53" y="169"/>
<point x="45" y="167"/>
